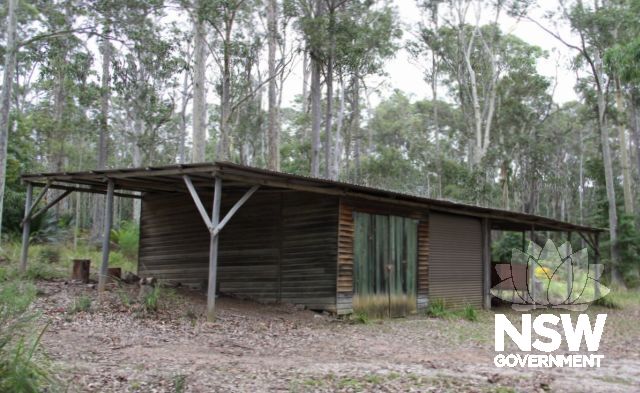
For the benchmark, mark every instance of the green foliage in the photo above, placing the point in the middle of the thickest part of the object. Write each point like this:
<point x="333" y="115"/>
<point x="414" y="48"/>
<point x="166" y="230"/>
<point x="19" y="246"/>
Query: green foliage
<point x="502" y="248"/>
<point x="80" y="304"/>
<point x="629" y="245"/>
<point x="126" y="238"/>
<point x="50" y="254"/>
<point x="469" y="313"/>
<point x="22" y="368"/>
<point x="124" y="297"/>
<point x="360" y="317"/>
<point x="151" y="300"/>
<point x="179" y="383"/>
<point x="608" y="301"/>
<point x="37" y="270"/>
<point x="437" y="308"/>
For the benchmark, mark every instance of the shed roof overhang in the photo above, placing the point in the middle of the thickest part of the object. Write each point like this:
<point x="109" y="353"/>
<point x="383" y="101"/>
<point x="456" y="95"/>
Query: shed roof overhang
<point x="130" y="182"/>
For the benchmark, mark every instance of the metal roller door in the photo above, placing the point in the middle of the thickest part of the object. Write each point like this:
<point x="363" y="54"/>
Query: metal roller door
<point x="455" y="260"/>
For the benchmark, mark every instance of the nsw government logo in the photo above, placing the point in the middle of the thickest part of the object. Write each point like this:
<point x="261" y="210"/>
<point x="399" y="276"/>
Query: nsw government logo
<point x="551" y="278"/>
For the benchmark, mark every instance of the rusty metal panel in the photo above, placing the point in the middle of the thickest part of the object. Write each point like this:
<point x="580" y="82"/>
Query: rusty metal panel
<point x="455" y="260"/>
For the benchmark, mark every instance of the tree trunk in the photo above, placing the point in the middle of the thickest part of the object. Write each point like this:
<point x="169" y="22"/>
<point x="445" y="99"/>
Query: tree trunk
<point x="316" y="110"/>
<point x="355" y="127"/>
<point x="183" y="119"/>
<point x="105" y="96"/>
<point x="434" y="96"/>
<point x="103" y="142"/>
<point x="224" y="148"/>
<point x="315" y="117"/>
<point x="624" y="153"/>
<point x="635" y="125"/>
<point x="616" y="278"/>
<point x="199" y="90"/>
<point x="274" y="132"/>
<point x="328" y="123"/>
<point x="335" y="162"/>
<point x="305" y="81"/>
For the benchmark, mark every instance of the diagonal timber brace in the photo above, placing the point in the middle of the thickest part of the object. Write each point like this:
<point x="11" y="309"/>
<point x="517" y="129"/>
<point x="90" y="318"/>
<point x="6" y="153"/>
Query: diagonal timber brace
<point x="234" y="209"/>
<point x="198" y="202"/>
<point x="50" y="204"/>
<point x="215" y="229"/>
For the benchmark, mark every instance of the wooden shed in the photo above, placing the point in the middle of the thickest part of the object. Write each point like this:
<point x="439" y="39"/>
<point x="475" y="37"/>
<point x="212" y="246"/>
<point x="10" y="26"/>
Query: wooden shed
<point x="277" y="237"/>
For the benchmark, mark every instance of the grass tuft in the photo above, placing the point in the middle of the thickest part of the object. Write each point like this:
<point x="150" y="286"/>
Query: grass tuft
<point x="360" y="317"/>
<point x="80" y="304"/>
<point x="151" y="300"/>
<point x="608" y="302"/>
<point x="437" y="309"/>
<point x="469" y="313"/>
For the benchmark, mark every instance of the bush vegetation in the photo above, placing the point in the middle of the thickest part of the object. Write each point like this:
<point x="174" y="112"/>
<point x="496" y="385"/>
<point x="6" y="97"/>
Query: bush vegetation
<point x="23" y="367"/>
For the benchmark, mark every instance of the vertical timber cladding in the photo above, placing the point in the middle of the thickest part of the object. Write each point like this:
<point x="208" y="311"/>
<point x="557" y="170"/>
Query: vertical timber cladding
<point x="309" y="250"/>
<point x="347" y="232"/>
<point x="280" y="246"/>
<point x="455" y="260"/>
<point x="174" y="243"/>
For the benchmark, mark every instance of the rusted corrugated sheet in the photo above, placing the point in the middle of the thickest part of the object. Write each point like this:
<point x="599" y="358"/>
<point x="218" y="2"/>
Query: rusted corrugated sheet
<point x="455" y="260"/>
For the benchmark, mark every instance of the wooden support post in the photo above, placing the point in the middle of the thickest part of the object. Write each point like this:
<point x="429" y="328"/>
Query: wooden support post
<point x="532" y="270"/>
<point x="486" y="263"/>
<point x="213" y="251"/>
<point x="108" y="221"/>
<point x="26" y="228"/>
<point x="524" y="242"/>
<point x="596" y="256"/>
<point x="569" y="268"/>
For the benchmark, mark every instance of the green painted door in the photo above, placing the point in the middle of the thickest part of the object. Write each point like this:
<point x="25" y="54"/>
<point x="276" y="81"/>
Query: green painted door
<point x="385" y="264"/>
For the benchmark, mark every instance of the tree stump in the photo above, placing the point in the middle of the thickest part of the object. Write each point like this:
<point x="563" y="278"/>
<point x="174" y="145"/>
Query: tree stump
<point x="81" y="268"/>
<point x="114" y="273"/>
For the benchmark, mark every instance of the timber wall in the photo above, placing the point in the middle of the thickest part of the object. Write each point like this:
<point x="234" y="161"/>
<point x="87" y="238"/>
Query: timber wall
<point x="280" y="246"/>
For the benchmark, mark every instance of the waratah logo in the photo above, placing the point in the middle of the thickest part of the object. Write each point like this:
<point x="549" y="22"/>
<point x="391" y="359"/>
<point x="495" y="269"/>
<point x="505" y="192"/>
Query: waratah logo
<point x="549" y="277"/>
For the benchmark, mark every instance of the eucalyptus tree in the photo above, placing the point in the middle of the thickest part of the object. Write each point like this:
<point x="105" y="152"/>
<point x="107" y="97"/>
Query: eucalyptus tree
<point x="472" y="59"/>
<point x="348" y="40"/>
<point x="232" y="23"/>
<point x="273" y="161"/>
<point x="368" y="35"/>
<point x="5" y="98"/>
<point x="594" y="39"/>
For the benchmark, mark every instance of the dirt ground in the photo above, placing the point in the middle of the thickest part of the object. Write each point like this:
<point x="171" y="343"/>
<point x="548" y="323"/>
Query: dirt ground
<point x="117" y="347"/>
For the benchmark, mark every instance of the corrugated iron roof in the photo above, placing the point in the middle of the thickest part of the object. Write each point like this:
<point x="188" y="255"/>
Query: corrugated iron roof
<point x="170" y="179"/>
